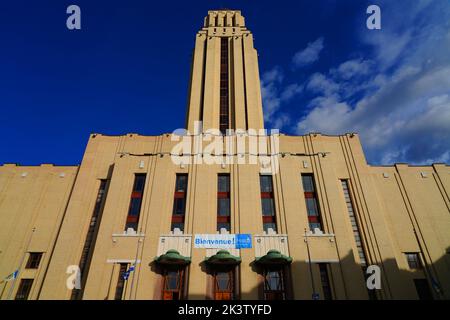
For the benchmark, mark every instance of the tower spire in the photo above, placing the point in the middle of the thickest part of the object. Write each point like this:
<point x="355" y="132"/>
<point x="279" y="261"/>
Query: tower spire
<point x="225" y="90"/>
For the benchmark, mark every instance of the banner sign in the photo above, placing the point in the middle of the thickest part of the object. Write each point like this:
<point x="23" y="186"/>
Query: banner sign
<point x="223" y="241"/>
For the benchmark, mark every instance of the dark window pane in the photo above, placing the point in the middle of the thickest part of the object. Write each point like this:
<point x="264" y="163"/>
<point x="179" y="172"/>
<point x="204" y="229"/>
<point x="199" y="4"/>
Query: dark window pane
<point x="223" y="207"/>
<point x="223" y="183"/>
<point x="266" y="183"/>
<point x="311" y="206"/>
<point x="413" y="260"/>
<point x="120" y="282"/>
<point x="179" y="206"/>
<point x="308" y="183"/>
<point x="139" y="183"/>
<point x="24" y="289"/>
<point x="135" y="206"/>
<point x="33" y="260"/>
<point x="325" y="281"/>
<point x="181" y="183"/>
<point x="267" y="207"/>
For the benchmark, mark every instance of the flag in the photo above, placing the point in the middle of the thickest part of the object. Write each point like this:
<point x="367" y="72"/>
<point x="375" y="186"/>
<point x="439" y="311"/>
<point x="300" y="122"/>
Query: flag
<point x="12" y="276"/>
<point x="126" y="274"/>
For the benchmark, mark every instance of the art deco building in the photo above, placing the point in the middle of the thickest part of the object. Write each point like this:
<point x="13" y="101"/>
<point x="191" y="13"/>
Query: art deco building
<point x="319" y="216"/>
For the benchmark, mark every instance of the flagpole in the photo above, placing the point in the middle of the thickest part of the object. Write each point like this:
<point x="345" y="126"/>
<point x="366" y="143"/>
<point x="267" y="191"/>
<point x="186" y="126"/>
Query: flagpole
<point x="20" y="265"/>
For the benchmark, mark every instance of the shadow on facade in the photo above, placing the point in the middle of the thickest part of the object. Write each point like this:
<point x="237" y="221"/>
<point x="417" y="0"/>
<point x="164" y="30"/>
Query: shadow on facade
<point x="347" y="280"/>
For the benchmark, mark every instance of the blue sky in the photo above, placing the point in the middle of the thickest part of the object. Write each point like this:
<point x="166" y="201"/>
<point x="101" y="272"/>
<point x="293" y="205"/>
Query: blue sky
<point x="322" y="70"/>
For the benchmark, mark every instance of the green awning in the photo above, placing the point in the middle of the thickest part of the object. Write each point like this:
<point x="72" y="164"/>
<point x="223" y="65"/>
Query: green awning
<point x="172" y="257"/>
<point x="223" y="257"/>
<point x="274" y="257"/>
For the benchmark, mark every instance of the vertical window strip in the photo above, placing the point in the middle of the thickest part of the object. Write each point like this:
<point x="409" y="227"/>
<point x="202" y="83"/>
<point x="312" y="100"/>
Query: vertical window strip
<point x="90" y="239"/>
<point x="312" y="207"/>
<point x="223" y="202"/>
<point x="224" y="121"/>
<point x="134" y="210"/>
<point x="179" y="202"/>
<point x="325" y="280"/>
<point x="267" y="203"/>
<point x="354" y="223"/>
<point x="121" y="281"/>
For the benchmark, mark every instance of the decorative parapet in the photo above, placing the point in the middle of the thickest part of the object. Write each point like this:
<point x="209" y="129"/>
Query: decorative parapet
<point x="271" y="241"/>
<point x="176" y="240"/>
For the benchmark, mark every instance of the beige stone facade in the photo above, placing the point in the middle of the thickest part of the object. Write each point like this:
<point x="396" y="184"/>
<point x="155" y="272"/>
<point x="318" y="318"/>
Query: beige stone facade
<point x="395" y="217"/>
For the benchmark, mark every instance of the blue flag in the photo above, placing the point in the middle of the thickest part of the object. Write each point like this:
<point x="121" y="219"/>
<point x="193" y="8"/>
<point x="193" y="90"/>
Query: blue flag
<point x="126" y="274"/>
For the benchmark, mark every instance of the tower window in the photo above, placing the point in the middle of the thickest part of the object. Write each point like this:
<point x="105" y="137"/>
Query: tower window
<point x="224" y="120"/>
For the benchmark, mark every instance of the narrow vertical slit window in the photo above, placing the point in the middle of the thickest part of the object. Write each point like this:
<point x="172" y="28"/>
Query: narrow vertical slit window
<point x="24" y="289"/>
<point x="356" y="233"/>
<point x="325" y="280"/>
<point x="223" y="202"/>
<point x="121" y="282"/>
<point x="224" y="114"/>
<point x="134" y="210"/>
<point x="90" y="236"/>
<point x="267" y="203"/>
<point x="312" y="207"/>
<point x="179" y="202"/>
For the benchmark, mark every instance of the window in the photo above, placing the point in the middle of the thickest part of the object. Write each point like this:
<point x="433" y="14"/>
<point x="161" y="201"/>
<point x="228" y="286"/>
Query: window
<point x="224" y="285"/>
<point x="274" y="285"/>
<point x="354" y="222"/>
<point x="135" y="202"/>
<point x="423" y="289"/>
<point x="413" y="260"/>
<point x="24" y="289"/>
<point x="33" y="260"/>
<point x="121" y="281"/>
<point x="179" y="202"/>
<point x="90" y="236"/>
<point x="325" y="279"/>
<point x="312" y="208"/>
<point x="224" y="121"/>
<point x="173" y="284"/>
<point x="267" y="203"/>
<point x="223" y="202"/>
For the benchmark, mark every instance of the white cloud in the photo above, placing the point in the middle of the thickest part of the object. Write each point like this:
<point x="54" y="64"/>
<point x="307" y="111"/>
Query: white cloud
<point x="308" y="55"/>
<point x="403" y="110"/>
<point x="273" y="95"/>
